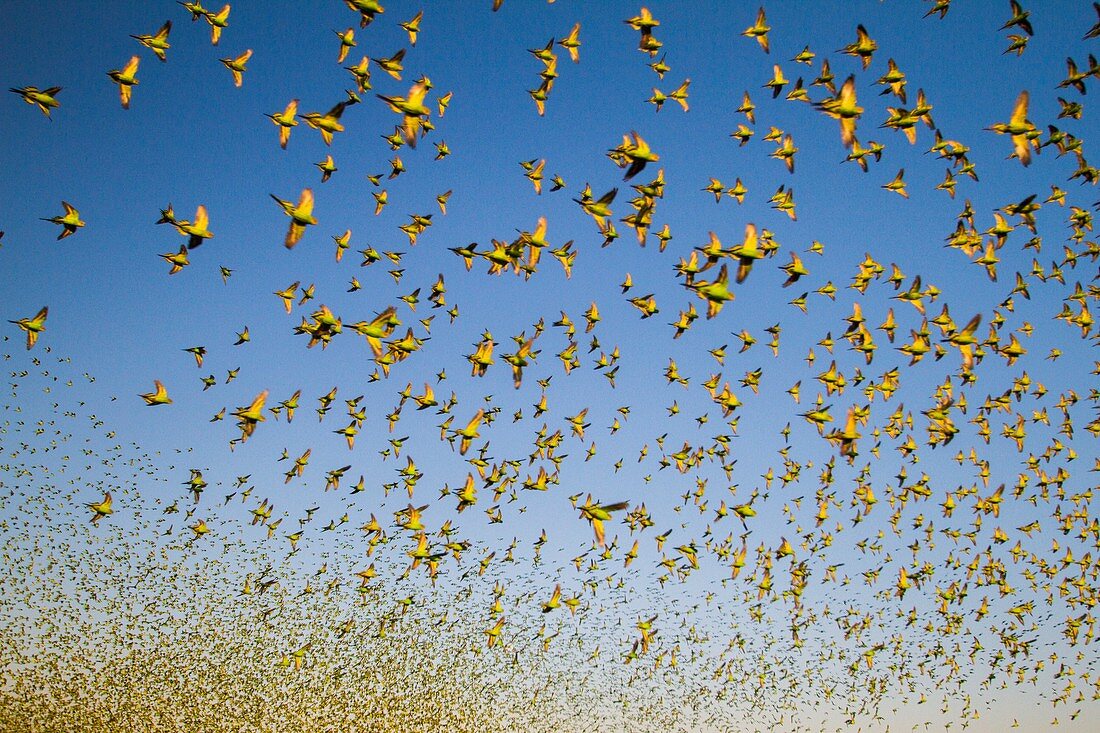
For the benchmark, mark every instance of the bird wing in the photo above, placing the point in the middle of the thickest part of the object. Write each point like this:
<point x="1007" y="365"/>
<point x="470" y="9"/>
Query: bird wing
<point x="305" y="203"/>
<point x="1019" y="110"/>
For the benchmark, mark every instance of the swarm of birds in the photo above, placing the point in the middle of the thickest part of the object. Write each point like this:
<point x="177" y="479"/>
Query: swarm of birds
<point x="655" y="491"/>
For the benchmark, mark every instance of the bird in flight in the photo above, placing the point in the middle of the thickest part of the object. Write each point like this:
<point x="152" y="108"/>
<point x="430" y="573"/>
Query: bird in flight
<point x="126" y="78"/>
<point x="33" y="326"/>
<point x="157" y="42"/>
<point x="70" y="221"/>
<point x="301" y="216"/>
<point x="1025" y="135"/>
<point x="413" y="110"/>
<point x="237" y="66"/>
<point x="285" y="120"/>
<point x="159" y="395"/>
<point x="44" y="99"/>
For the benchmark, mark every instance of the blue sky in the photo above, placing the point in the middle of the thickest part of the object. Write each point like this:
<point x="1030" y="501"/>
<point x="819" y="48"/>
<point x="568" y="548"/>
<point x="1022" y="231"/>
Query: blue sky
<point x="191" y="138"/>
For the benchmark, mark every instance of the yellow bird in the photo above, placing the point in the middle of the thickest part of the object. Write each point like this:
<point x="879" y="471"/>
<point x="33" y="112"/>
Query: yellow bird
<point x="597" y="514"/>
<point x="633" y="154"/>
<point x="361" y="72"/>
<point x="126" y="79"/>
<point x="328" y="124"/>
<point x="158" y="42"/>
<point x="863" y="47"/>
<point x="101" y="509"/>
<point x="217" y="21"/>
<point x="413" y="110"/>
<point x="33" y="326"/>
<point x="843" y="107"/>
<point x="965" y="341"/>
<point x="572" y="44"/>
<point x="412" y="27"/>
<point x="301" y="216"/>
<point x="495" y="632"/>
<point x="195" y="231"/>
<point x="898" y="184"/>
<point x="249" y="417"/>
<point x="747" y="252"/>
<point x="284" y="121"/>
<point x="327" y="168"/>
<point x="776" y="84"/>
<point x="470" y="432"/>
<point x="237" y="66"/>
<point x="716" y="293"/>
<point x="44" y="99"/>
<point x="195" y="8"/>
<point x="288" y="295"/>
<point x="1024" y="133"/>
<point x="159" y="396"/>
<point x="70" y="221"/>
<point x="367" y="10"/>
<point x="555" y="600"/>
<point x="392" y="65"/>
<point x="178" y="260"/>
<point x="759" y="30"/>
<point x="347" y="41"/>
<point x="680" y="95"/>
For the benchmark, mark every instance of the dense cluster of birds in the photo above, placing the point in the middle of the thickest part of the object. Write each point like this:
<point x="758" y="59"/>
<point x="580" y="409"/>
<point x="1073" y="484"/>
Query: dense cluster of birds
<point x="915" y="529"/>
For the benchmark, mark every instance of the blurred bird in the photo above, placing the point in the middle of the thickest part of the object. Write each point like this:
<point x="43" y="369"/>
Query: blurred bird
<point x="301" y="216"/>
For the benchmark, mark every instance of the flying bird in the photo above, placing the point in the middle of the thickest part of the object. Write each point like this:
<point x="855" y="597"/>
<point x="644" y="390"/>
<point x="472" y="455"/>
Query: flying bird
<point x="157" y="42"/>
<point x="44" y="99"/>
<point x="237" y="66"/>
<point x="33" y="326"/>
<point x="126" y="78"/>
<point x="301" y="216"/>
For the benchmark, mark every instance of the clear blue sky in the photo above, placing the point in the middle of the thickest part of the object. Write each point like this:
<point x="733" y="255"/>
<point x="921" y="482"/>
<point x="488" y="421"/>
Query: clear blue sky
<point x="190" y="137"/>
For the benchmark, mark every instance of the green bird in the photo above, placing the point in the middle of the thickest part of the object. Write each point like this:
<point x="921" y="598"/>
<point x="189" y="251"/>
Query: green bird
<point x="747" y="252"/>
<point x="238" y="66"/>
<point x="196" y="9"/>
<point x="248" y="417"/>
<point x="46" y="99"/>
<point x="863" y="47"/>
<point x="597" y="514"/>
<point x="599" y="209"/>
<point x="158" y="42"/>
<point x="759" y="30"/>
<point x="196" y="230"/>
<point x="716" y="293"/>
<point x="347" y="41"/>
<point x="392" y="65"/>
<point x="367" y="9"/>
<point x="327" y="168"/>
<point x="1022" y="130"/>
<point x="33" y="326"/>
<point x="412" y="27"/>
<point x="126" y="78"/>
<point x="328" y="123"/>
<point x="413" y="109"/>
<point x="159" y="395"/>
<point x="301" y="216"/>
<point x="178" y="260"/>
<point x="843" y="107"/>
<point x="217" y="21"/>
<point x="633" y="155"/>
<point x="285" y="120"/>
<point x="101" y="509"/>
<point x="70" y="221"/>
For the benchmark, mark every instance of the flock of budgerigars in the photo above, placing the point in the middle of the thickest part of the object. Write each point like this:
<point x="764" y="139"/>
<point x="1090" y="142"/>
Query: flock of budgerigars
<point x="849" y="584"/>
